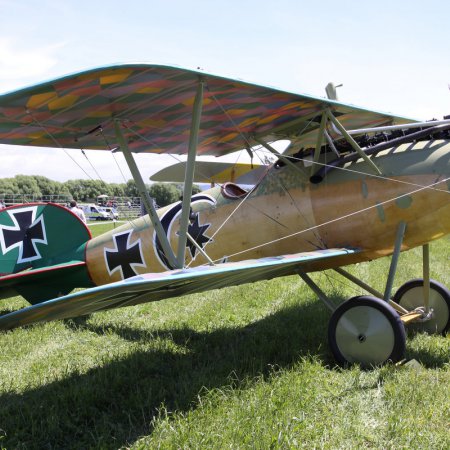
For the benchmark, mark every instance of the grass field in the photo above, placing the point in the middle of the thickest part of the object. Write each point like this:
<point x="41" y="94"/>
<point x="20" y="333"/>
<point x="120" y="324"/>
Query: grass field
<point x="244" y="367"/>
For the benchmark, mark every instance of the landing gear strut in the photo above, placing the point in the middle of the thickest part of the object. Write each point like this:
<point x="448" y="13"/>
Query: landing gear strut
<point x="369" y="330"/>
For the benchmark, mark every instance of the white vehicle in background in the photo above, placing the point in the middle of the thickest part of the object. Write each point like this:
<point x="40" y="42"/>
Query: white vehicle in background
<point x="94" y="212"/>
<point x="112" y="212"/>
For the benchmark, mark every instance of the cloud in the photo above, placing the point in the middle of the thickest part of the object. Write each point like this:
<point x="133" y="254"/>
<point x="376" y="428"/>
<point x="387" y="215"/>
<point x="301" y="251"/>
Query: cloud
<point x="19" y="66"/>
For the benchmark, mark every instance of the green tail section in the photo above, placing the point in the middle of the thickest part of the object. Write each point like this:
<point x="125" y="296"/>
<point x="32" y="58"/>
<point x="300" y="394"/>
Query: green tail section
<point x="42" y="251"/>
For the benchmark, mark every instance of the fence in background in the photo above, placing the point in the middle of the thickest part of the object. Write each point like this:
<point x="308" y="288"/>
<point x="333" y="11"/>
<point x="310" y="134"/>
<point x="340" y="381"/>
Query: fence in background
<point x="127" y="208"/>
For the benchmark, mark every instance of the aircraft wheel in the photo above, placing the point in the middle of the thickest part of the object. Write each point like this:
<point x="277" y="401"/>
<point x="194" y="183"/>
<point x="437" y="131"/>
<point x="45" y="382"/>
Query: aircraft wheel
<point x="410" y="296"/>
<point x="367" y="331"/>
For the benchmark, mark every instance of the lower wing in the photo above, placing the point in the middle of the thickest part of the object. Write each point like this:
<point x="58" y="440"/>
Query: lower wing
<point x="157" y="286"/>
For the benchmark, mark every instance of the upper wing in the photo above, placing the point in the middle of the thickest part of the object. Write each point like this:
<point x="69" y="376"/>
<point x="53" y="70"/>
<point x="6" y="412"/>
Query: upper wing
<point x="154" y="104"/>
<point x="157" y="286"/>
<point x="213" y="172"/>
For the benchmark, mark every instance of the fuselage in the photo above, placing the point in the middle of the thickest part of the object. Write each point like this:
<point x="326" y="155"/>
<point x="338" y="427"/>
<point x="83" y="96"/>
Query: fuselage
<point x="286" y="214"/>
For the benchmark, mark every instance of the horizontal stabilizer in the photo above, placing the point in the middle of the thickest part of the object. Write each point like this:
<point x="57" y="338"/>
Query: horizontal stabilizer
<point x="158" y="286"/>
<point x="213" y="172"/>
<point x="36" y="285"/>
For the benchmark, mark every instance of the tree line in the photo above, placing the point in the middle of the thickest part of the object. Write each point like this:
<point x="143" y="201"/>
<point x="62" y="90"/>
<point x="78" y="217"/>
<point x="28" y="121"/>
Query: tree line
<point x="87" y="190"/>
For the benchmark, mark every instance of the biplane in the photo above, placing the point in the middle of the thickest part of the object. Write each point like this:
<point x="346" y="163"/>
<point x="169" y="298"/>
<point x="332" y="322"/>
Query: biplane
<point x="353" y="185"/>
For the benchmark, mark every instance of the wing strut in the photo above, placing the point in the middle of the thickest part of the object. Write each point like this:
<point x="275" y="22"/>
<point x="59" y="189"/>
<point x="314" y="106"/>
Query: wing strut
<point x="189" y="174"/>
<point x="281" y="156"/>
<point x="353" y="143"/>
<point x="320" y="136"/>
<point x="148" y="201"/>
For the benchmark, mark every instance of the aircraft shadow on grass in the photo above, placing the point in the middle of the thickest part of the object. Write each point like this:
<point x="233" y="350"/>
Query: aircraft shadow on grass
<point x="125" y="394"/>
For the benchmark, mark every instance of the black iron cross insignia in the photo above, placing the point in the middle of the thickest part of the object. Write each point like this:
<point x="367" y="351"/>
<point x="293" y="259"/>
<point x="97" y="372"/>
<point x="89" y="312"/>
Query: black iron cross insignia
<point x="26" y="232"/>
<point x="125" y="256"/>
<point x="197" y="232"/>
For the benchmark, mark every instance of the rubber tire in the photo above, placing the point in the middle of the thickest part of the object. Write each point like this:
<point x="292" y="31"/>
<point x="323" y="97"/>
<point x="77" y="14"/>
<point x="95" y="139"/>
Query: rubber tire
<point x="442" y="290"/>
<point x="384" y="315"/>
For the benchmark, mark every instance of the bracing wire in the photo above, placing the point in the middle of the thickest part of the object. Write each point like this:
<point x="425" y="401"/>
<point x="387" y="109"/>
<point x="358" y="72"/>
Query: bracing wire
<point x="58" y="144"/>
<point x="244" y="137"/>
<point x="111" y="150"/>
<point x="419" y="187"/>
<point x="170" y="154"/>
<point x="372" y="175"/>
<point x="346" y="216"/>
<point x="92" y="166"/>
<point x="313" y="228"/>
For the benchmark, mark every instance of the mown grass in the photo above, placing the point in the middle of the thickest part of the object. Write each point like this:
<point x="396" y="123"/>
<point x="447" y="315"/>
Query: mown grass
<point x="98" y="228"/>
<point x="243" y="367"/>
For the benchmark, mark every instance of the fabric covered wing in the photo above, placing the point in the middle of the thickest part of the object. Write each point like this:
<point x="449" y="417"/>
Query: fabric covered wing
<point x="158" y="286"/>
<point x="154" y="106"/>
<point x="213" y="172"/>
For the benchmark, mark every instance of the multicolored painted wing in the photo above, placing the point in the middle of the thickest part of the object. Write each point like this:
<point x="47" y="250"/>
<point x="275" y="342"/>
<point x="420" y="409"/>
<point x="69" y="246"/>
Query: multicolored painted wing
<point x="154" y="104"/>
<point x="157" y="286"/>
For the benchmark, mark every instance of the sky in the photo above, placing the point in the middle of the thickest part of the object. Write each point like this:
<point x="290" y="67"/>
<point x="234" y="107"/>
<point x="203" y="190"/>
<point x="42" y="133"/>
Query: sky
<point x="391" y="56"/>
